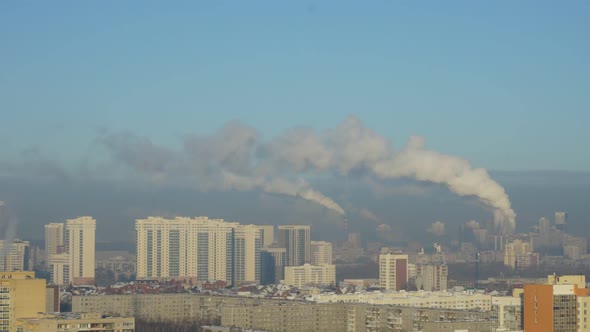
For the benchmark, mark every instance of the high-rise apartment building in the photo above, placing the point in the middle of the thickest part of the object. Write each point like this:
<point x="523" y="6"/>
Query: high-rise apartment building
<point x="80" y="240"/>
<point x="310" y="275"/>
<point x="544" y="226"/>
<point x="247" y="245"/>
<point x="54" y="239"/>
<point x="17" y="256"/>
<point x="297" y="240"/>
<point x="561" y="221"/>
<point x="268" y="234"/>
<point x="198" y="248"/>
<point x="21" y="295"/>
<point x="432" y="277"/>
<point x="321" y="252"/>
<point x="393" y="271"/>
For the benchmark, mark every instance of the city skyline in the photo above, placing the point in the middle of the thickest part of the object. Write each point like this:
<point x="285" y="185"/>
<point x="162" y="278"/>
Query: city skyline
<point x="294" y="166"/>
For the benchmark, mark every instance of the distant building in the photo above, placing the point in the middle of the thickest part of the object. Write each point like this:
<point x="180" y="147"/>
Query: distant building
<point x="354" y="240"/>
<point x="393" y="271"/>
<point x="76" y="322"/>
<point x="80" y="239"/>
<point x="518" y="254"/>
<point x="321" y="252"/>
<point x="544" y="226"/>
<point x="310" y="275"/>
<point x="17" y="257"/>
<point x="432" y="277"/>
<point x="578" y="280"/>
<point x="561" y="221"/>
<point x="272" y="263"/>
<point x="572" y="252"/>
<point x="54" y="239"/>
<point x="268" y="234"/>
<point x="297" y="240"/>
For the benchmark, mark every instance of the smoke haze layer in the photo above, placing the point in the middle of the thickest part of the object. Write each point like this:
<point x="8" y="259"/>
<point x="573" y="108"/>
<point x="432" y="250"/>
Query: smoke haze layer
<point x="236" y="158"/>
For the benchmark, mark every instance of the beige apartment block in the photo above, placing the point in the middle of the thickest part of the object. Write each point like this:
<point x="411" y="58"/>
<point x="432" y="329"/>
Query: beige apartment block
<point x="17" y="256"/>
<point x="54" y="239"/>
<point x="80" y="239"/>
<point x="21" y="295"/>
<point x="198" y="248"/>
<point x="75" y="322"/>
<point x="310" y="275"/>
<point x="321" y="252"/>
<point x="393" y="271"/>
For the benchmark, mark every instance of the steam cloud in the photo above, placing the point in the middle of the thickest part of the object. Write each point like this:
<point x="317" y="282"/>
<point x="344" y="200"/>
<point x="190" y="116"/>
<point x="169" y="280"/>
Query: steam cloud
<point x="235" y="158"/>
<point x="437" y="228"/>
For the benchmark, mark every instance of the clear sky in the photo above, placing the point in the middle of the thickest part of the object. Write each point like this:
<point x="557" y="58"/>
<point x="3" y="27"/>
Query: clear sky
<point x="504" y="84"/>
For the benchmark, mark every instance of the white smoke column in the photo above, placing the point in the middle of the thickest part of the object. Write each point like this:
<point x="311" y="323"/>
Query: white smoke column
<point x="368" y="215"/>
<point x="234" y="159"/>
<point x="280" y="186"/>
<point x="456" y="173"/>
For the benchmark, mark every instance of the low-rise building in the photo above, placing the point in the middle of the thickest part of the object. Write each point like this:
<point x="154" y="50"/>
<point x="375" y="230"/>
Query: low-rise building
<point x="443" y="300"/>
<point x="75" y="322"/>
<point x="310" y="275"/>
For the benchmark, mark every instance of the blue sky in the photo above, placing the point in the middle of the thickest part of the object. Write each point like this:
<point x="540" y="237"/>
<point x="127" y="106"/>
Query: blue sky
<point x="504" y="84"/>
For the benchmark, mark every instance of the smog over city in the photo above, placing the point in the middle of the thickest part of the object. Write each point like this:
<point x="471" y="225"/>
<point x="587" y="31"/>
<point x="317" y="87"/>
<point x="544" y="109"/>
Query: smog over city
<point x="425" y="162"/>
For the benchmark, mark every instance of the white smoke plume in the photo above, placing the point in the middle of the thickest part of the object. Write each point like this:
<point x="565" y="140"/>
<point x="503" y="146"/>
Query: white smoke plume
<point x="236" y="158"/>
<point x="437" y="228"/>
<point x="368" y="215"/>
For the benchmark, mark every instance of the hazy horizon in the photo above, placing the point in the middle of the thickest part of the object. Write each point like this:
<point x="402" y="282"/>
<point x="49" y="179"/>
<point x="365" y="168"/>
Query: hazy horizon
<point x="265" y="112"/>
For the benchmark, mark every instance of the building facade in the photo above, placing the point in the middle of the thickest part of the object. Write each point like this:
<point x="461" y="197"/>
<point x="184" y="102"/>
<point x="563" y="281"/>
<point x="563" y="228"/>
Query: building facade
<point x="432" y="277"/>
<point x="393" y="271"/>
<point x="310" y="275"/>
<point x="80" y="238"/>
<point x="199" y="249"/>
<point x="59" y="269"/>
<point x="76" y="322"/>
<point x="268" y="234"/>
<point x="297" y="240"/>
<point x="519" y="255"/>
<point x="321" y="252"/>
<point x="272" y="265"/>
<point x="21" y="295"/>
<point x="17" y="257"/>
<point x="552" y="307"/>
<point x="247" y="245"/>
<point x="561" y="221"/>
<point x="54" y="239"/>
